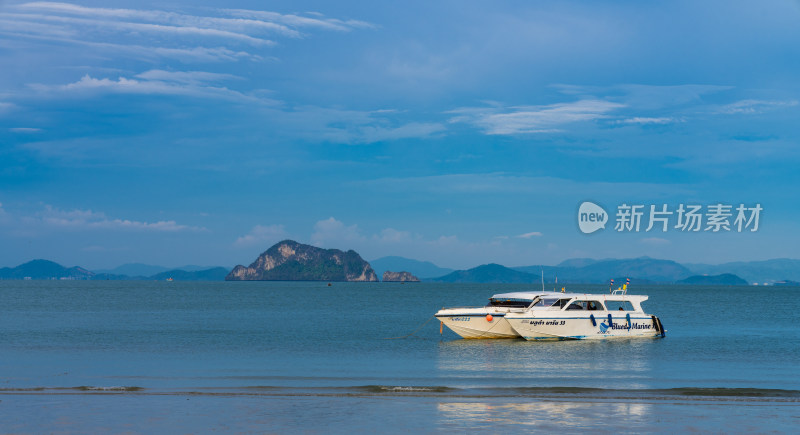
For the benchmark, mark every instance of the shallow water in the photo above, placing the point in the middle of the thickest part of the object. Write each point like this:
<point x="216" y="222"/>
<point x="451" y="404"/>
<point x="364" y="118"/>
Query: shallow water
<point x="278" y="356"/>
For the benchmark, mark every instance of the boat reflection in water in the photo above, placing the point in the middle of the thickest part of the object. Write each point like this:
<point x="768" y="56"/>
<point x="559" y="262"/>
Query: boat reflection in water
<point x="576" y="363"/>
<point x="543" y="416"/>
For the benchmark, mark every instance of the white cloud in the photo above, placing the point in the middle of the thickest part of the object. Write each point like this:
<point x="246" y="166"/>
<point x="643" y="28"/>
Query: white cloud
<point x="330" y="232"/>
<point x="533" y="119"/>
<point x="750" y="107"/>
<point x="24" y="130"/>
<point x="89" y="220"/>
<point x="529" y="235"/>
<point x="392" y="235"/>
<point x="262" y="235"/>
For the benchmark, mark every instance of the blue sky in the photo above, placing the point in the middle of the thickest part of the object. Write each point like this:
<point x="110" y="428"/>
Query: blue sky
<point x="461" y="132"/>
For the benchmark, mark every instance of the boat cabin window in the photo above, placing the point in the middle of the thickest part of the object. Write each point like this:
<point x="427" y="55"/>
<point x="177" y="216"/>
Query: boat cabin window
<point x="509" y="302"/>
<point x="619" y="306"/>
<point x="585" y="305"/>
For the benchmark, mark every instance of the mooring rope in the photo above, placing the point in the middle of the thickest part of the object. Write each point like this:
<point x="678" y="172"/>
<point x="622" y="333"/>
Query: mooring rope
<point x="415" y="331"/>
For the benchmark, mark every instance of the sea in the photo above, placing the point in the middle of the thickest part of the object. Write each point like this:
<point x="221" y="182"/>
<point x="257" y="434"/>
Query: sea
<point x="309" y="357"/>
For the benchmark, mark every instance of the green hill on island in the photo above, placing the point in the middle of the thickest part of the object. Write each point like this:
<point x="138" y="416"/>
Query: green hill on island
<point x="722" y="279"/>
<point x="488" y="273"/>
<point x="44" y="269"/>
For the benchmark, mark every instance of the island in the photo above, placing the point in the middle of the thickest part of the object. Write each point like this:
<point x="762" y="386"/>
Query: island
<point x="403" y="276"/>
<point x="722" y="279"/>
<point x="292" y="261"/>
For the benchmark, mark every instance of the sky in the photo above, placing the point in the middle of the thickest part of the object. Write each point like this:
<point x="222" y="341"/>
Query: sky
<point x="458" y="132"/>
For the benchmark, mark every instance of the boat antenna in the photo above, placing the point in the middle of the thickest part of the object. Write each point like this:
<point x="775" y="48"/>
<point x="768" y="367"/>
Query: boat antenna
<point x="542" y="278"/>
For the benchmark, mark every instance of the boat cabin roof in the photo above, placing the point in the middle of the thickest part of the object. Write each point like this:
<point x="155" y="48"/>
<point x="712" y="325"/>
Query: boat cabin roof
<point x="559" y="295"/>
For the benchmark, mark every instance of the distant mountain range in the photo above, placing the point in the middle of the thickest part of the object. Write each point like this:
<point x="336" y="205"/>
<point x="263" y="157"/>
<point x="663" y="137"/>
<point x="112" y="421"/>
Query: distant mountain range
<point x="767" y="271"/>
<point x="643" y="270"/>
<point x="585" y="270"/>
<point x="45" y="269"/>
<point x="139" y="269"/>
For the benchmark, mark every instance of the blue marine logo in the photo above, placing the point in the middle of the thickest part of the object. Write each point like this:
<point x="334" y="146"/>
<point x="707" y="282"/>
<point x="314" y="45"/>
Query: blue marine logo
<point x="603" y="327"/>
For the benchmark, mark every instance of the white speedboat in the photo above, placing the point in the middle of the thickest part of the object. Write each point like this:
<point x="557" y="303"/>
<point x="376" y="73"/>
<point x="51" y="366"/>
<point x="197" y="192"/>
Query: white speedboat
<point x="488" y="321"/>
<point x="569" y="316"/>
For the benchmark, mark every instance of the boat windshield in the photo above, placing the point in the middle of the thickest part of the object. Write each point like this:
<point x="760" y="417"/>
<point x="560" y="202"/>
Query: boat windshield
<point x="552" y="302"/>
<point x="509" y="302"/>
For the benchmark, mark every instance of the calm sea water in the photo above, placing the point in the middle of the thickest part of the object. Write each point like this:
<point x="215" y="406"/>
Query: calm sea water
<point x="305" y="357"/>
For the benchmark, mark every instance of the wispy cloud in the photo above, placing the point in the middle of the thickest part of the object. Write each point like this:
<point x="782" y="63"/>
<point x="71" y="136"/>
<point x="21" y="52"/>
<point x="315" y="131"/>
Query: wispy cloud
<point x="190" y="83"/>
<point x="337" y="125"/>
<point x="90" y="220"/>
<point x="188" y="77"/>
<point x="314" y="20"/>
<point x="151" y="29"/>
<point x="645" y="97"/>
<point x="643" y="120"/>
<point x="378" y="132"/>
<point x="504" y="183"/>
<point x="533" y="119"/>
<point x="750" y="107"/>
<point x="167" y="33"/>
<point x="529" y="235"/>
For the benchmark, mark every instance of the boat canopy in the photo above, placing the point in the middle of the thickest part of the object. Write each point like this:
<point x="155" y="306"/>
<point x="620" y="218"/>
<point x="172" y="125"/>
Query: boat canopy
<point x="518" y="295"/>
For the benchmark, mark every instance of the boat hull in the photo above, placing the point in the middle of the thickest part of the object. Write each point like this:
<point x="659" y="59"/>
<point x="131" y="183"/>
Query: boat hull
<point x="477" y="326"/>
<point x="581" y="327"/>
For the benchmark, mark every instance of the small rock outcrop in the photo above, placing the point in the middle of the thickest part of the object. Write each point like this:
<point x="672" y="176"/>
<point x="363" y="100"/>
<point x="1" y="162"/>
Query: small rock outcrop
<point x="292" y="261"/>
<point x="389" y="276"/>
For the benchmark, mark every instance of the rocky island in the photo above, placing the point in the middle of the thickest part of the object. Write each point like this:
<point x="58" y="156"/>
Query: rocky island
<point x="292" y="261"/>
<point x="389" y="276"/>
